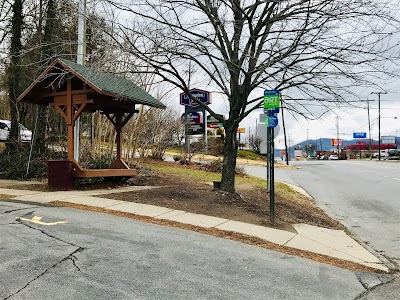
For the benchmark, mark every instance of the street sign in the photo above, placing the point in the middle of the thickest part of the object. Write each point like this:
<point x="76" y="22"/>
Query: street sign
<point x="203" y="96"/>
<point x="271" y="121"/>
<point x="212" y="120"/>
<point x="388" y="140"/>
<point x="298" y="153"/>
<point x="272" y="99"/>
<point x="194" y="117"/>
<point x="241" y="130"/>
<point x="214" y="125"/>
<point x="334" y="142"/>
<point x="359" y="135"/>
<point x="271" y="110"/>
<point x="194" y="129"/>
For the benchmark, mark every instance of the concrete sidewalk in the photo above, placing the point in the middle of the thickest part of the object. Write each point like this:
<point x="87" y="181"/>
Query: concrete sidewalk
<point x="333" y="243"/>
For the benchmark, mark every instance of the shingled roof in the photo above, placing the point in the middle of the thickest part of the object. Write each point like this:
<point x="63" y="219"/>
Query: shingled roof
<point x="112" y="86"/>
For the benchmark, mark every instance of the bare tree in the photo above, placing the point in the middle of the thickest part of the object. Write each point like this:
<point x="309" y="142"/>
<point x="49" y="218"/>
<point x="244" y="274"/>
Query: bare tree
<point x="157" y="131"/>
<point x="309" y="49"/>
<point x="255" y="142"/>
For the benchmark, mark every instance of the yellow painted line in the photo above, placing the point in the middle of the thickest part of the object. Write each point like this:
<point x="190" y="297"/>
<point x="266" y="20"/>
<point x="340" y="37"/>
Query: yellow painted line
<point x="37" y="220"/>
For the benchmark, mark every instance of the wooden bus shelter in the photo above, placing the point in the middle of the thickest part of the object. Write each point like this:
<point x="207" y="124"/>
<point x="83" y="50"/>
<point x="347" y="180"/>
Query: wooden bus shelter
<point x="72" y="89"/>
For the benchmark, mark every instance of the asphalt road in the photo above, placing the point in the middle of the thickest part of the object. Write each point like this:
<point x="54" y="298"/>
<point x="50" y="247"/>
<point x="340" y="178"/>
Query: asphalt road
<point x="363" y="195"/>
<point x="97" y="256"/>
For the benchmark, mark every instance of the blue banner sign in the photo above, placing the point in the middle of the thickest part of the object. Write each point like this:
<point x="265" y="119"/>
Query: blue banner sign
<point x="203" y="96"/>
<point x="359" y="135"/>
<point x="271" y="121"/>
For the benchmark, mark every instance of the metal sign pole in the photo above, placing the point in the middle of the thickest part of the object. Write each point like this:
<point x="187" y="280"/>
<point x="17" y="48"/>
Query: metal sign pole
<point x="271" y="180"/>
<point x="271" y="106"/>
<point x="268" y="158"/>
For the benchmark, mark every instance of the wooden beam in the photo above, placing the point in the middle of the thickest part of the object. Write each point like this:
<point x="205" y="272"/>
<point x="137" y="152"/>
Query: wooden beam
<point x="69" y="102"/>
<point x="76" y="165"/>
<point x="71" y="141"/>
<point x="111" y="117"/>
<point x="127" y="118"/>
<point x="61" y="110"/>
<point x="119" y="164"/>
<point x="64" y="93"/>
<point x="79" y="111"/>
<point x="118" y="129"/>
<point x="104" y="173"/>
<point x="60" y="100"/>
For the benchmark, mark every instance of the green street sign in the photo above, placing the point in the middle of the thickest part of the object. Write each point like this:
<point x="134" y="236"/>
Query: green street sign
<point x="212" y="120"/>
<point x="272" y="99"/>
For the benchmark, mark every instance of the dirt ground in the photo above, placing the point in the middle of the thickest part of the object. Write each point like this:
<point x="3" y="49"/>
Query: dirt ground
<point x="250" y="204"/>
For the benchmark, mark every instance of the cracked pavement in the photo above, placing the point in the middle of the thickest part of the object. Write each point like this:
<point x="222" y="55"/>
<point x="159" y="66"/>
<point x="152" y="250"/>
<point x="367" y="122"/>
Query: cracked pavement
<point x="106" y="257"/>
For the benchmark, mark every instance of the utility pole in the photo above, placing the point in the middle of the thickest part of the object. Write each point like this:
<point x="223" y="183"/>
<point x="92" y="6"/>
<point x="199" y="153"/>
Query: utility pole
<point x="379" y="121"/>
<point x="284" y="134"/>
<point x="307" y="143"/>
<point x="337" y="133"/>
<point x="369" y="129"/>
<point x="80" y="59"/>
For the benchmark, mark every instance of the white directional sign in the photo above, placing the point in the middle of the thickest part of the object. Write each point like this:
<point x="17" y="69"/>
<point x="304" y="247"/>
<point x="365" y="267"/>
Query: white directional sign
<point x="388" y="139"/>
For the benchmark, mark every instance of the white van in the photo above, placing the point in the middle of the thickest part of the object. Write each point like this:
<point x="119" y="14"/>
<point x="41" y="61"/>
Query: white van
<point x="383" y="154"/>
<point x="5" y="126"/>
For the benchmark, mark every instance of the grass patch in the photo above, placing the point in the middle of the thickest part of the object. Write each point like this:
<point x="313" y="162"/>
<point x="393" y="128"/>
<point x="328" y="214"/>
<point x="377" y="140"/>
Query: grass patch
<point x="187" y="172"/>
<point x="246" y="154"/>
<point x="285" y="191"/>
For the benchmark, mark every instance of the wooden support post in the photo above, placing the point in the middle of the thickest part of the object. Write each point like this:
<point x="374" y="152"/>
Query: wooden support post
<point x="118" y="129"/>
<point x="69" y="120"/>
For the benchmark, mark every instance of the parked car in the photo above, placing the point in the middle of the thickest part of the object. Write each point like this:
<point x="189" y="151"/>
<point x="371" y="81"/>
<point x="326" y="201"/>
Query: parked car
<point x="278" y="159"/>
<point x="383" y="154"/>
<point x="324" y="157"/>
<point x="311" y="157"/>
<point x="333" y="157"/>
<point x="5" y="126"/>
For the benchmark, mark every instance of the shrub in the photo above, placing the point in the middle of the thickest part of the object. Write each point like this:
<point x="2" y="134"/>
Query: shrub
<point x="14" y="165"/>
<point x="177" y="158"/>
<point x="216" y="166"/>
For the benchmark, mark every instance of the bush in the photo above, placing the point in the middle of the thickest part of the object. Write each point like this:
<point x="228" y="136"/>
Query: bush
<point x="14" y="165"/>
<point x="103" y="162"/>
<point x="177" y="158"/>
<point x="215" y="146"/>
<point x="216" y="167"/>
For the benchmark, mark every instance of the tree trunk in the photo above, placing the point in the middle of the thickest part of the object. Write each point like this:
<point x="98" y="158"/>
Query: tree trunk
<point x="40" y="141"/>
<point x="229" y="162"/>
<point x="47" y="52"/>
<point x="14" y="72"/>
